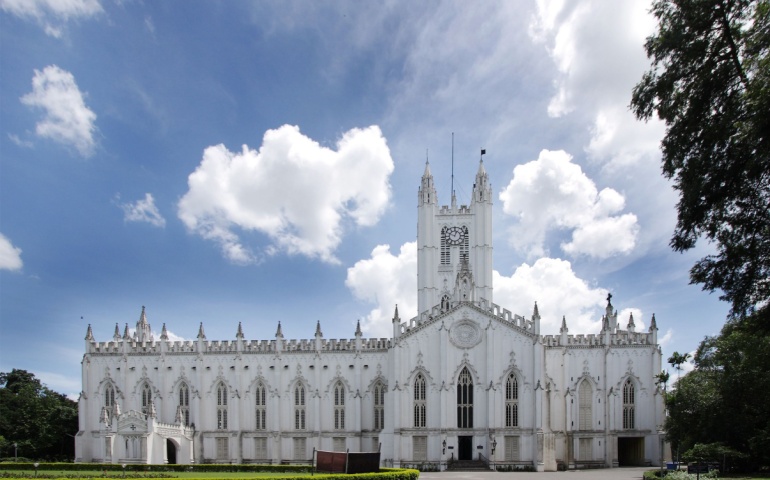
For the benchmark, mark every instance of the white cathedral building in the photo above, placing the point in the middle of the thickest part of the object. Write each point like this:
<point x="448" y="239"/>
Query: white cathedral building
<point x="464" y="379"/>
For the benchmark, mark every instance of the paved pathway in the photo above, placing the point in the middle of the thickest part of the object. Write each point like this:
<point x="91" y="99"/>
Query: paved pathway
<point x="626" y="473"/>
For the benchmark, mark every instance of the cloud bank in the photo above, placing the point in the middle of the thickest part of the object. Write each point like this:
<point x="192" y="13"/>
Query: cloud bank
<point x="554" y="193"/>
<point x="10" y="256"/>
<point x="292" y="189"/>
<point x="66" y="119"/>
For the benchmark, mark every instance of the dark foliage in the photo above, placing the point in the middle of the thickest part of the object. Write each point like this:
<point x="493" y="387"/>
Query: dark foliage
<point x="710" y="84"/>
<point x="38" y="420"/>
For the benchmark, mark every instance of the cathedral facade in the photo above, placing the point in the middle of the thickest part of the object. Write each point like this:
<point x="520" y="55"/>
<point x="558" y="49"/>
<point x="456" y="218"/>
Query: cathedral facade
<point x="464" y="380"/>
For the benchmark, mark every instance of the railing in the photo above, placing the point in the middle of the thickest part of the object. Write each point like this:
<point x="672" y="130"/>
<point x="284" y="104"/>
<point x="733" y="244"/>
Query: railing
<point x="484" y="460"/>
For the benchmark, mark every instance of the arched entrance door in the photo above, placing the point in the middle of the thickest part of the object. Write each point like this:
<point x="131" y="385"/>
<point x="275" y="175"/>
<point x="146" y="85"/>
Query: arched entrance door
<point x="170" y="451"/>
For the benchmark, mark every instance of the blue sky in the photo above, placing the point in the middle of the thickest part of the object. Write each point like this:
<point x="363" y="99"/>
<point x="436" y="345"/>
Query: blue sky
<point x="257" y="162"/>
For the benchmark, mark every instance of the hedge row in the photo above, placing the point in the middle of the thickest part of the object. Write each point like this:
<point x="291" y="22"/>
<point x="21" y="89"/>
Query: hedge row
<point x="152" y="471"/>
<point x="143" y="467"/>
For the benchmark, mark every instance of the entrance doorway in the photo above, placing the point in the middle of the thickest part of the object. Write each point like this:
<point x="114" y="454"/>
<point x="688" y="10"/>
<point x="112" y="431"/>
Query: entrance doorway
<point x="465" y="447"/>
<point x="170" y="451"/>
<point x="631" y="451"/>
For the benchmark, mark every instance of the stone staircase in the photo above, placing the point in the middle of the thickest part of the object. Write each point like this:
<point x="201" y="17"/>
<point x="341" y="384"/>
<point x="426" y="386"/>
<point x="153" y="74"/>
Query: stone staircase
<point x="467" y="466"/>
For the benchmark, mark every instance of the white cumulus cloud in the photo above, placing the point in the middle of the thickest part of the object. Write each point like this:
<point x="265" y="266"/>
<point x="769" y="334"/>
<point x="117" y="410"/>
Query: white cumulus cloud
<point x="67" y="119"/>
<point x="10" y="256"/>
<point x="558" y="291"/>
<point x="386" y="280"/>
<point x="554" y="193"/>
<point x="143" y="210"/>
<point x="292" y="189"/>
<point x="51" y="14"/>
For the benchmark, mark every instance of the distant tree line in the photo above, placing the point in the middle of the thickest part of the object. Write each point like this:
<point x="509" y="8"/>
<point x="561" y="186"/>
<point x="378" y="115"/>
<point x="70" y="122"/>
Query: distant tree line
<point x="35" y="422"/>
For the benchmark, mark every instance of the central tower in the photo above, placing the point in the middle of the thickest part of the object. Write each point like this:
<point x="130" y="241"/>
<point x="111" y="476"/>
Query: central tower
<point x="454" y="245"/>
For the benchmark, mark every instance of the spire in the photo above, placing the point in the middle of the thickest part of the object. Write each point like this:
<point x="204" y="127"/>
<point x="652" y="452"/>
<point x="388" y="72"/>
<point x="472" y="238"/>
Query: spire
<point x="201" y="335"/>
<point x="653" y="323"/>
<point x="608" y="310"/>
<point x="427" y="191"/>
<point x="143" y="317"/>
<point x="396" y="318"/>
<point x="89" y="334"/>
<point x="239" y="333"/>
<point x="563" y="324"/>
<point x="279" y="332"/>
<point x="358" y="328"/>
<point x="536" y="312"/>
<point x="427" y="170"/>
<point x="164" y="333"/>
<point x="318" y="332"/>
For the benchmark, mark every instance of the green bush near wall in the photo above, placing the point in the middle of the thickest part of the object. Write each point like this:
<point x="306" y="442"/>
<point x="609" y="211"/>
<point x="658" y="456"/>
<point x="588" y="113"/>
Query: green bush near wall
<point x="150" y="471"/>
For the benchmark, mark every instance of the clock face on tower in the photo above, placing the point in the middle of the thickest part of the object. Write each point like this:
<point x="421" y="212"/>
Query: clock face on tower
<point x="455" y="235"/>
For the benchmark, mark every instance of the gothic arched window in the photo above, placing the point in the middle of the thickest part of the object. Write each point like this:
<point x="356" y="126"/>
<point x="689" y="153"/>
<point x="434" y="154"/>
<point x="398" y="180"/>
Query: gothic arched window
<point x="512" y="401"/>
<point x="221" y="406"/>
<point x="184" y="403"/>
<point x="339" y="406"/>
<point x="261" y="406"/>
<point x="629" y="405"/>
<point x="585" y="403"/>
<point x="146" y="398"/>
<point x="419" y="402"/>
<point x="299" y="407"/>
<point x="465" y="399"/>
<point x="109" y="400"/>
<point x="379" y="406"/>
<point x="444" y="247"/>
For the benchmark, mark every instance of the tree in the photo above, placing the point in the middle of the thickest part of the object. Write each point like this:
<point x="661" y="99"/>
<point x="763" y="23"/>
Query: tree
<point x="39" y="420"/>
<point x="722" y="401"/>
<point x="710" y="84"/>
<point x="676" y="360"/>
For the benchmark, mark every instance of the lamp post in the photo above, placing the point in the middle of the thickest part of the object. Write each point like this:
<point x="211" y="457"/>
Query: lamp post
<point x="36" y="465"/>
<point x="443" y="447"/>
<point x="494" y="446"/>
<point x="15" y="452"/>
<point x="124" y="470"/>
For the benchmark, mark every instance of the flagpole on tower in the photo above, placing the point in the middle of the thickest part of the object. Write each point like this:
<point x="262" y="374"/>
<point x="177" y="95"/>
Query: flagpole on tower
<point x="452" y="190"/>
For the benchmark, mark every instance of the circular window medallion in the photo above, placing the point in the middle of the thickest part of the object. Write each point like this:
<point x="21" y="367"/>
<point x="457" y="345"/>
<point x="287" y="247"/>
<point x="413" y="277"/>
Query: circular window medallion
<point x="465" y="334"/>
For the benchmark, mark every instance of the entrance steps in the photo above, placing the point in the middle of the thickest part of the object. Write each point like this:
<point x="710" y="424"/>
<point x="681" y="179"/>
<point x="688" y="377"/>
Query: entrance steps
<point x="467" y="466"/>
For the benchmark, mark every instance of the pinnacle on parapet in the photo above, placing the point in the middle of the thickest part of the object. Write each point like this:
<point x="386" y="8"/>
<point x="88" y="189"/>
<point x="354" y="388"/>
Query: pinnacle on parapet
<point x="105" y="416"/>
<point x="164" y="333"/>
<point x="153" y="413"/>
<point x="318" y="332"/>
<point x="279" y="332"/>
<point x="395" y="316"/>
<point x="201" y="335"/>
<point x="358" y="328"/>
<point x="125" y="333"/>
<point x="535" y="312"/>
<point x="143" y="317"/>
<point x="563" y="328"/>
<point x="653" y="323"/>
<point x="89" y="334"/>
<point x="239" y="333"/>
<point x="116" y="335"/>
<point x="631" y="323"/>
<point x="605" y="323"/>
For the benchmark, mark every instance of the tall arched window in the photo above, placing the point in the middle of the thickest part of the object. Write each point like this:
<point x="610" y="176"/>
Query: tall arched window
<point x="379" y="406"/>
<point x="444" y="247"/>
<point x="585" y="402"/>
<point x="222" y="406"/>
<point x="184" y="403"/>
<point x="146" y="398"/>
<point x="261" y="406"/>
<point x="109" y="400"/>
<point x="629" y="404"/>
<point x="512" y="401"/>
<point x="339" y="406"/>
<point x="419" y="402"/>
<point x="299" y="407"/>
<point x="465" y="399"/>
<point x="464" y="246"/>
